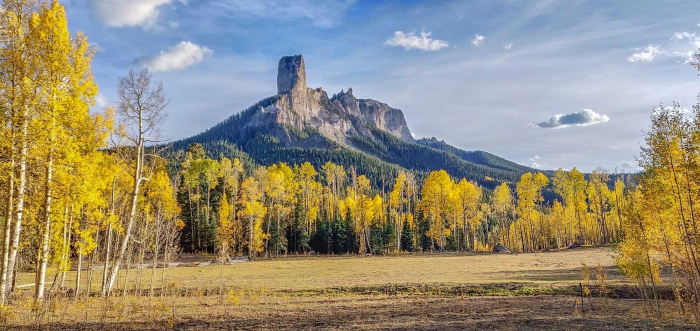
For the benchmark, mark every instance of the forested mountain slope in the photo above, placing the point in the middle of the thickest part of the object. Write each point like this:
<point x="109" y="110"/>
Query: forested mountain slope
<point x="301" y="124"/>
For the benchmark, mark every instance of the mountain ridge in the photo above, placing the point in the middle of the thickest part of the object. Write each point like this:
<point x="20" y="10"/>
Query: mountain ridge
<point x="368" y="134"/>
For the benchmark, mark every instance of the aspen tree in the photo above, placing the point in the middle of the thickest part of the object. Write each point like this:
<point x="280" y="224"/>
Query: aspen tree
<point x="18" y="91"/>
<point x="436" y="193"/>
<point x="468" y="198"/>
<point x="502" y="205"/>
<point x="231" y="172"/>
<point x="397" y="200"/>
<point x="68" y="89"/>
<point x="141" y="106"/>
<point x="254" y="211"/>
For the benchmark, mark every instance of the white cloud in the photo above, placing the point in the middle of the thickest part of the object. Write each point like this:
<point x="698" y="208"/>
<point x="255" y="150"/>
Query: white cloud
<point x="534" y="162"/>
<point x="128" y="13"/>
<point x="478" y="40"/>
<point x="645" y="55"/>
<point x="585" y="117"/>
<point x="411" y="41"/>
<point x="507" y="46"/>
<point x="180" y="56"/>
<point x="174" y="24"/>
<point x="686" y="57"/>
<point x="101" y="101"/>
<point x="683" y="35"/>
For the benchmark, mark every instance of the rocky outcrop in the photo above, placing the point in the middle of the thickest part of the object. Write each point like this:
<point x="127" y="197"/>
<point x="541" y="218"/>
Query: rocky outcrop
<point x="338" y="118"/>
<point x="291" y="74"/>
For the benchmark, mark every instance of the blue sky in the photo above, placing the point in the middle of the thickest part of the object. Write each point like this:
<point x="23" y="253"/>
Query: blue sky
<point x="544" y="83"/>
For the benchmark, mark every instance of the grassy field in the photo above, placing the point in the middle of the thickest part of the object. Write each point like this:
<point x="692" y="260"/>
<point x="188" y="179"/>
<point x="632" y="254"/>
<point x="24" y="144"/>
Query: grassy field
<point x="442" y="291"/>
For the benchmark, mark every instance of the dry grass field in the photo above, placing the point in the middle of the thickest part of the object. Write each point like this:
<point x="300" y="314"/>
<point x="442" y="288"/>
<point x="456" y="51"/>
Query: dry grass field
<point x="430" y="292"/>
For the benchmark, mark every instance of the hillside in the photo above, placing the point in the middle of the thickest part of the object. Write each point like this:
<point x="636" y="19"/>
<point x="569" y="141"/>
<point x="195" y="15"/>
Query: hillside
<point x="302" y="124"/>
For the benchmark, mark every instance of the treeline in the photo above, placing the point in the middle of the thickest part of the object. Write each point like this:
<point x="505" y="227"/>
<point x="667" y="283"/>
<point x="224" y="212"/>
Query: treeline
<point x="297" y="209"/>
<point x="68" y="199"/>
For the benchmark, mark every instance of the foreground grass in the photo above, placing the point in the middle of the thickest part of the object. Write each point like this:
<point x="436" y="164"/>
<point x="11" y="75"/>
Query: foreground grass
<point x="445" y="291"/>
<point x="273" y="312"/>
<point x="313" y="273"/>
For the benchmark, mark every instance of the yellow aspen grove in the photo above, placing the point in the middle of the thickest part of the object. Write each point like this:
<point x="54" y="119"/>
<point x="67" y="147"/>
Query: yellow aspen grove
<point x="570" y="186"/>
<point x="211" y="172"/>
<point x="67" y="90"/>
<point x="599" y="201"/>
<point x="364" y="213"/>
<point x="281" y="190"/>
<point x="397" y="201"/>
<point x="468" y="202"/>
<point x="618" y="205"/>
<point x="254" y="211"/>
<point x="559" y="221"/>
<point x="335" y="176"/>
<point x="659" y="221"/>
<point x="502" y="202"/>
<point x="529" y="190"/>
<point x="231" y="172"/>
<point x="436" y="194"/>
<point x="17" y="94"/>
<point x="93" y="201"/>
<point x="162" y="212"/>
<point x="225" y="228"/>
<point x="310" y="192"/>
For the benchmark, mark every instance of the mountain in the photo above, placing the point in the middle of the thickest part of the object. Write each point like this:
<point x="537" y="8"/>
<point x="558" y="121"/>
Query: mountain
<point x="303" y="124"/>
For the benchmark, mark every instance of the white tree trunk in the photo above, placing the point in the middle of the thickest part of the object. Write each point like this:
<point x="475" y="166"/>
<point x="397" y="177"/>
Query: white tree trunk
<point x="44" y="254"/>
<point x="7" y="230"/>
<point x="19" y="207"/>
<point x="132" y="214"/>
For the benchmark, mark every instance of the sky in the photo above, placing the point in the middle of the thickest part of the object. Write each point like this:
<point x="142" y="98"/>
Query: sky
<point x="549" y="84"/>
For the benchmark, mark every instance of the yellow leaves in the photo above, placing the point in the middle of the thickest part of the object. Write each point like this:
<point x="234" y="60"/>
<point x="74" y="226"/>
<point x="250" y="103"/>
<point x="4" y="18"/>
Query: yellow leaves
<point x="529" y="190"/>
<point x="160" y="195"/>
<point x="255" y="211"/>
<point x="307" y="171"/>
<point x="437" y="194"/>
<point x="179" y="224"/>
<point x="225" y="228"/>
<point x="231" y="171"/>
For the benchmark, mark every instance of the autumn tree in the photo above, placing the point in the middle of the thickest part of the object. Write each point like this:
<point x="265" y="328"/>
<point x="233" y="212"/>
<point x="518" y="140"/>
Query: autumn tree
<point x="436" y="195"/>
<point x="141" y="108"/>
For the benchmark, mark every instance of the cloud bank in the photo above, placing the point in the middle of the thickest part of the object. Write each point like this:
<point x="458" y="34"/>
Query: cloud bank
<point x="683" y="35"/>
<point x="645" y="54"/>
<point x="128" y="13"/>
<point x="585" y="117"/>
<point x="411" y="41"/>
<point x="183" y="55"/>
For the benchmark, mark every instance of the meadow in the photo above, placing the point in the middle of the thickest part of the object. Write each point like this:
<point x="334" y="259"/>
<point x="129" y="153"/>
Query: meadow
<point x="429" y="291"/>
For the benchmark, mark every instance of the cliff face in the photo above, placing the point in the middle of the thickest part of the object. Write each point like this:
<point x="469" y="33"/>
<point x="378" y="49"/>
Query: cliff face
<point x="338" y="118"/>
